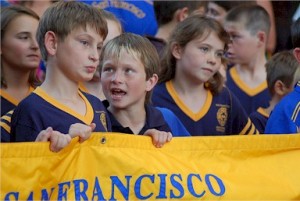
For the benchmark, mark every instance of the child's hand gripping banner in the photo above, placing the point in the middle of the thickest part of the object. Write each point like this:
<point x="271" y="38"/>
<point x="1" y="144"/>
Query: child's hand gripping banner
<point x="125" y="167"/>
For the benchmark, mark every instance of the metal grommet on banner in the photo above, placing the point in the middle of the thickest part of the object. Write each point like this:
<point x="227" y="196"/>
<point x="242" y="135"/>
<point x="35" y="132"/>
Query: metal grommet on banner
<point x="103" y="140"/>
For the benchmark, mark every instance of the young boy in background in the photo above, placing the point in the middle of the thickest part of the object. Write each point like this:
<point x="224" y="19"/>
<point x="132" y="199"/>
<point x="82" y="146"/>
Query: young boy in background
<point x="248" y="27"/>
<point x="70" y="36"/>
<point x="281" y="69"/>
<point x="285" y="117"/>
<point x="168" y="15"/>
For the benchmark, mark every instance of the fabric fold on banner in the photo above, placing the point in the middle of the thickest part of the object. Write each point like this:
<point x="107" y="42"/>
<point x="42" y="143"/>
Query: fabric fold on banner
<point x="114" y="166"/>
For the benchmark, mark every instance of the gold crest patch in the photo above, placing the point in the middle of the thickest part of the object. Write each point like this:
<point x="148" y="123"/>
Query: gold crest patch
<point x="222" y="116"/>
<point x="103" y="120"/>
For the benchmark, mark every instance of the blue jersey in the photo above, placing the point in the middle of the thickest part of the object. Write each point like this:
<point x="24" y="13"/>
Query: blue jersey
<point x="177" y="128"/>
<point x="5" y="126"/>
<point x="285" y="118"/>
<point x="221" y="114"/>
<point x="250" y="98"/>
<point x="259" y="118"/>
<point x="135" y="16"/>
<point x="8" y="102"/>
<point x="39" y="111"/>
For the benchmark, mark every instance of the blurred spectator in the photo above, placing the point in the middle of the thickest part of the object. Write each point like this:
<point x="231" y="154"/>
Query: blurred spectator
<point x="136" y="16"/>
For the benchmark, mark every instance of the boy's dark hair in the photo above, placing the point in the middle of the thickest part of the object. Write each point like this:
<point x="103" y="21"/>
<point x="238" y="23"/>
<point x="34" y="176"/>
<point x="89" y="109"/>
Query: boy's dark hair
<point x="63" y="17"/>
<point x="281" y="66"/>
<point x="254" y="17"/>
<point x="138" y="46"/>
<point x="165" y="10"/>
<point x="227" y="5"/>
<point x="295" y="33"/>
<point x="189" y="29"/>
<point x="8" y="14"/>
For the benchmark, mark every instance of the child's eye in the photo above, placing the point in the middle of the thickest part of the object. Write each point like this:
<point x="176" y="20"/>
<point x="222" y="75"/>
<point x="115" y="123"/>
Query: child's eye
<point x="234" y="36"/>
<point x="84" y="42"/>
<point x="220" y="54"/>
<point x="23" y="37"/>
<point x="107" y="69"/>
<point x="204" y="49"/>
<point x="213" y="12"/>
<point x="99" y="48"/>
<point x="129" y="70"/>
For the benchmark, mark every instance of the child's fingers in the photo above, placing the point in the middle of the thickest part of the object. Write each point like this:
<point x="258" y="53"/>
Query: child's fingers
<point x="170" y="136"/>
<point x="93" y="126"/>
<point x="54" y="138"/>
<point x="44" y="135"/>
<point x="59" y="141"/>
<point x="159" y="138"/>
<point x="163" y="138"/>
<point x="85" y="134"/>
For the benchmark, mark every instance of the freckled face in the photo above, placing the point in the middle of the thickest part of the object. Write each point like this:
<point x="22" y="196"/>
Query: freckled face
<point x="124" y="81"/>
<point x="78" y="55"/>
<point x="200" y="59"/>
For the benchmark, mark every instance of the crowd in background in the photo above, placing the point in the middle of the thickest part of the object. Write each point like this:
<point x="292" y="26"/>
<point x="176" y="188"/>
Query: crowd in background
<point x="157" y="68"/>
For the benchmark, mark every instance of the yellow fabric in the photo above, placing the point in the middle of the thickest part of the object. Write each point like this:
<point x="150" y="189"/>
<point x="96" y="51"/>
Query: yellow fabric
<point x="126" y="167"/>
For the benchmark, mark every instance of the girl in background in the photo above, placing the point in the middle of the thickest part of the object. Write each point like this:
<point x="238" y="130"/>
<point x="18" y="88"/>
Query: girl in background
<point x="191" y="85"/>
<point x="20" y="55"/>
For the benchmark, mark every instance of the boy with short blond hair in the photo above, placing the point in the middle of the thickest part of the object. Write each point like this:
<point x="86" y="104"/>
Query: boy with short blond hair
<point x="129" y="65"/>
<point x="70" y="35"/>
<point x="248" y="27"/>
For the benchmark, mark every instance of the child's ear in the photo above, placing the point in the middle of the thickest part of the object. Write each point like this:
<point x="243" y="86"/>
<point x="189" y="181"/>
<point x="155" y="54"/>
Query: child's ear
<point x="296" y="52"/>
<point x="51" y="42"/>
<point x="151" y="82"/>
<point x="181" y="14"/>
<point x="262" y="37"/>
<point x="280" y="88"/>
<point x="176" y="51"/>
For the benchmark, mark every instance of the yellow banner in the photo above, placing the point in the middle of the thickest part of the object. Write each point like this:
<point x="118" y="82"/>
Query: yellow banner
<point x="125" y="167"/>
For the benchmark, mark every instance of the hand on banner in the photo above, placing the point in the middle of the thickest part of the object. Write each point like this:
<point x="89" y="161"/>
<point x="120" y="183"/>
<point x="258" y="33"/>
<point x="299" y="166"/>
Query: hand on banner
<point x="159" y="138"/>
<point x="82" y="131"/>
<point x="57" y="140"/>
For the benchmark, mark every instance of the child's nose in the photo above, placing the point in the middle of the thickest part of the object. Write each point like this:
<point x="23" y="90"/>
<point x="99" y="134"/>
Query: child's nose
<point x="34" y="44"/>
<point x="94" y="55"/>
<point x="117" y="77"/>
<point x="212" y="58"/>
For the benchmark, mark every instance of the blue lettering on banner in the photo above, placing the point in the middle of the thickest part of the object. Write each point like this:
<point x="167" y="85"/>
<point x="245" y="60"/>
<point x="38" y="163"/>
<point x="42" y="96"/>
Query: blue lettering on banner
<point x="8" y="196"/>
<point x="80" y="193"/>
<point x="45" y="195"/>
<point x="178" y="187"/>
<point x="138" y="184"/>
<point x="62" y="192"/>
<point x="97" y="191"/>
<point x="191" y="186"/>
<point x="162" y="189"/>
<point x="124" y="190"/>
<point x="210" y="187"/>
<point x="30" y="197"/>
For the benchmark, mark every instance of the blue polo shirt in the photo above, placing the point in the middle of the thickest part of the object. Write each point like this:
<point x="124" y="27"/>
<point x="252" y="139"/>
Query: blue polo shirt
<point x="154" y="120"/>
<point x="285" y="117"/>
